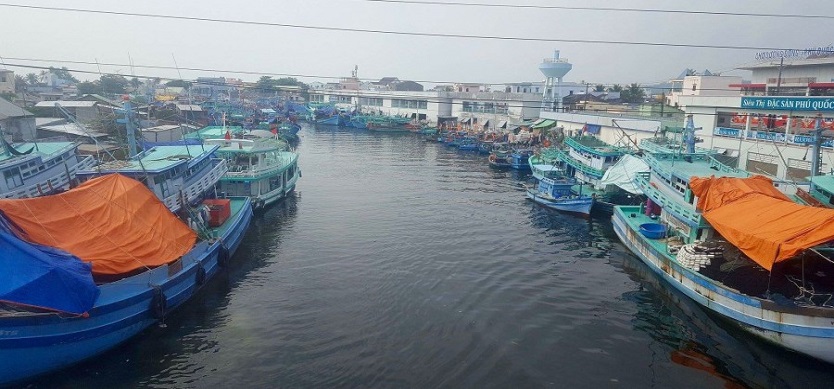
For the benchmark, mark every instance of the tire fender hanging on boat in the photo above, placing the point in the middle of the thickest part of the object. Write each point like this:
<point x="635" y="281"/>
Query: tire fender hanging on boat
<point x="200" y="277"/>
<point x="223" y="256"/>
<point x="159" y="303"/>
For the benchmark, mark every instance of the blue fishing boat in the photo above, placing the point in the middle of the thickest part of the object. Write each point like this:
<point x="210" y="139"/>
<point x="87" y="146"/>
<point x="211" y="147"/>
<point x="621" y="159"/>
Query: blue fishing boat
<point x="737" y="246"/>
<point x="177" y="174"/>
<point x="84" y="292"/>
<point x="519" y="159"/>
<point x="587" y="158"/>
<point x="330" y="120"/>
<point x="468" y="143"/>
<point x="557" y="194"/>
<point x="34" y="169"/>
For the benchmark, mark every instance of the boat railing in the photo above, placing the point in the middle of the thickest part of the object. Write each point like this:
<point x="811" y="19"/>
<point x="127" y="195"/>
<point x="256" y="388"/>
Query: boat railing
<point x="578" y="165"/>
<point x="198" y="187"/>
<point x="642" y="180"/>
<point x="270" y="165"/>
<point x="58" y="181"/>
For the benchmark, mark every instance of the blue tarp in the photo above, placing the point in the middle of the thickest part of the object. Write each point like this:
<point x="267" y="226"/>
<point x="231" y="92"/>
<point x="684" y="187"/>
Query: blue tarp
<point x="44" y="277"/>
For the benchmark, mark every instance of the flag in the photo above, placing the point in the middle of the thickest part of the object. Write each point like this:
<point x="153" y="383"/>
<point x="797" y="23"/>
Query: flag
<point x="228" y="135"/>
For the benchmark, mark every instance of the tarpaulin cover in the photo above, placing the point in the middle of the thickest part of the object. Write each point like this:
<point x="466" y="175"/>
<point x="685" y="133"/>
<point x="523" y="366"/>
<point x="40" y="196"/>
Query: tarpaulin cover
<point x="44" y="277"/>
<point x="758" y="219"/>
<point x="623" y="172"/>
<point x="113" y="221"/>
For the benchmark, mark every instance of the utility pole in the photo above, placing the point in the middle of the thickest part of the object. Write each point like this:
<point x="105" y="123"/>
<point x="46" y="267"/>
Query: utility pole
<point x="585" y="105"/>
<point x="815" y="157"/>
<point x="779" y="79"/>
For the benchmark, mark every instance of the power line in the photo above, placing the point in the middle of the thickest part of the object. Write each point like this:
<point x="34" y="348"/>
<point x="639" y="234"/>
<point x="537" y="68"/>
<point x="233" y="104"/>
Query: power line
<point x="397" y="33"/>
<point x="603" y="9"/>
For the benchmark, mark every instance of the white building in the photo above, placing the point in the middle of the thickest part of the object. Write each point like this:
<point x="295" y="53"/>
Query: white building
<point x="703" y="85"/>
<point x="429" y="105"/>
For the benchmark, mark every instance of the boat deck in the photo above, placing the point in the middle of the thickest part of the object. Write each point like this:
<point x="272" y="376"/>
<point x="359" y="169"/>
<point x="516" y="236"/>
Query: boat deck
<point x="156" y="159"/>
<point x="738" y="272"/>
<point x="45" y="149"/>
<point x="237" y="204"/>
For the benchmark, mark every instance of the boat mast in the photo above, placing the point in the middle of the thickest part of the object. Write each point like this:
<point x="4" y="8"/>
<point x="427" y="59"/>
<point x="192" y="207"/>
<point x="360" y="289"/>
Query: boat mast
<point x="131" y="130"/>
<point x="816" y="156"/>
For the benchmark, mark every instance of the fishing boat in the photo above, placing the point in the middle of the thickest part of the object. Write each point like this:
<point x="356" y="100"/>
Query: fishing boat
<point x="177" y="174"/>
<point x="737" y="246"/>
<point x="89" y="268"/>
<point x="499" y="157"/>
<point x="586" y="158"/>
<point x="557" y="194"/>
<point x="468" y="143"/>
<point x="32" y="169"/>
<point x="519" y="159"/>
<point x="542" y="168"/>
<point x="262" y="168"/>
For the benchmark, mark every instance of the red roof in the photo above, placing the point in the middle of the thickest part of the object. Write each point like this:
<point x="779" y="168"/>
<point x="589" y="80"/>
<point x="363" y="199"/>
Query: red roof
<point x="821" y="85"/>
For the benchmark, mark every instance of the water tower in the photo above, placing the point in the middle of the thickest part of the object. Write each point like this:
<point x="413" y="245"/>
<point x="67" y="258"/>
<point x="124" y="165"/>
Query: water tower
<point x="554" y="69"/>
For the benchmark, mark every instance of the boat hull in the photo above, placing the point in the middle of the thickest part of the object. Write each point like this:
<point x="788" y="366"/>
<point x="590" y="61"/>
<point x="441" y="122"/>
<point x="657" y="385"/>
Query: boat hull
<point x="807" y="330"/>
<point x="580" y="205"/>
<point x="36" y="344"/>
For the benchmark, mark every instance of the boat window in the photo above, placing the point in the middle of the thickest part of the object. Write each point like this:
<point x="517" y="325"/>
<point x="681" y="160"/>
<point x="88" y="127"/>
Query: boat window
<point x="12" y="177"/>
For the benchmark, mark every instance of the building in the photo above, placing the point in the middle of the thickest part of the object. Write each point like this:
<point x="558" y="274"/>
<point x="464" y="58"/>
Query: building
<point x="17" y="124"/>
<point x="706" y="84"/>
<point x="6" y="81"/>
<point x="766" y="124"/>
<point x="429" y="105"/>
<point x="83" y="111"/>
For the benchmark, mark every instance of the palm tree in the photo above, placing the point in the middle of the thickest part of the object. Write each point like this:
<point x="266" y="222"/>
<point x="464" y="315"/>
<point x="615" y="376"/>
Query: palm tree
<point x="634" y="93"/>
<point x="616" y="88"/>
<point x="32" y="79"/>
<point x="599" y="88"/>
<point x="19" y="83"/>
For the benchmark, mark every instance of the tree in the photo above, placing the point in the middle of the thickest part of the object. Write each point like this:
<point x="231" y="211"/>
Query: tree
<point x="633" y="93"/>
<point x="265" y="83"/>
<point x="135" y="83"/>
<point x="19" y="83"/>
<point x="599" y="88"/>
<point x="32" y="79"/>
<point x="63" y="73"/>
<point x="179" y="83"/>
<point x="616" y="88"/>
<point x="113" y="84"/>
<point x="87" y="87"/>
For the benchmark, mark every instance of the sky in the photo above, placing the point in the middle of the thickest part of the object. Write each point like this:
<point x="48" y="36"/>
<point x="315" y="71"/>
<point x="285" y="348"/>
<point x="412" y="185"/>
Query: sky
<point x="228" y="49"/>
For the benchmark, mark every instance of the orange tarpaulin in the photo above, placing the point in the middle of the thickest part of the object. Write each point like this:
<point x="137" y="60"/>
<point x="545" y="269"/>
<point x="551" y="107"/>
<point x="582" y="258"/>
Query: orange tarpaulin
<point x="758" y="219"/>
<point x="112" y="221"/>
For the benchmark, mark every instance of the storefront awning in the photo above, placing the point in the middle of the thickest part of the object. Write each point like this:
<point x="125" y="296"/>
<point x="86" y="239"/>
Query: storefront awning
<point x="544" y="124"/>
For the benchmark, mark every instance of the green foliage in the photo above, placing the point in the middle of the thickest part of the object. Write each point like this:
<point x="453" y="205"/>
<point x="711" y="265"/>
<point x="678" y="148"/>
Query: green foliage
<point x="179" y="83"/>
<point x="32" y="79"/>
<point x="599" y="88"/>
<point x="113" y="84"/>
<point x="267" y="83"/>
<point x="616" y="88"/>
<point x="19" y="83"/>
<point x="8" y="96"/>
<point x="633" y="94"/>
<point x="63" y="73"/>
<point x="88" y="87"/>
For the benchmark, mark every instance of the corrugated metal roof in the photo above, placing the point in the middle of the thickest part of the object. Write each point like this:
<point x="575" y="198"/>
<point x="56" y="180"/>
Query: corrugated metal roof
<point x="67" y="104"/>
<point x="71" y="129"/>
<point x="9" y="110"/>
<point x="189" y="107"/>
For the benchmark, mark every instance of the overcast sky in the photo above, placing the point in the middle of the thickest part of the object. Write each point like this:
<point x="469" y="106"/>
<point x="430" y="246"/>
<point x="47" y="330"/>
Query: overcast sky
<point x="57" y="35"/>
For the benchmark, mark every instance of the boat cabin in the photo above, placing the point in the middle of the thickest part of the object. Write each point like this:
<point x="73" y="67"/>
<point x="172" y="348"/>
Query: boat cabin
<point x="35" y="169"/>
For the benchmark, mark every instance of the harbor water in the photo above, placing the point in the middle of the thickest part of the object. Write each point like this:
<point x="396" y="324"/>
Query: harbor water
<point x="402" y="263"/>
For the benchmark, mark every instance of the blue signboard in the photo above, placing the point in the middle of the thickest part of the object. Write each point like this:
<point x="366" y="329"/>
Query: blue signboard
<point x="817" y="104"/>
